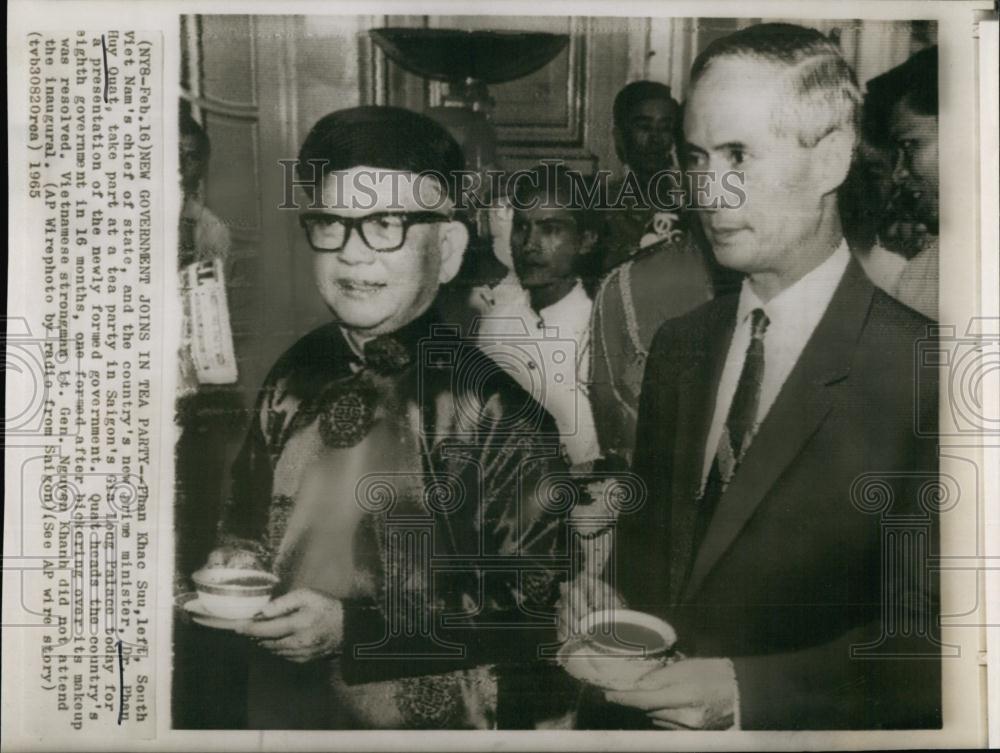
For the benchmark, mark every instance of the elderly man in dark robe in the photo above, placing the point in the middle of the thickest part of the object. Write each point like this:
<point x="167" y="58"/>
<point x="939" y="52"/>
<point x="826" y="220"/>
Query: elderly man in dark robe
<point x="403" y="488"/>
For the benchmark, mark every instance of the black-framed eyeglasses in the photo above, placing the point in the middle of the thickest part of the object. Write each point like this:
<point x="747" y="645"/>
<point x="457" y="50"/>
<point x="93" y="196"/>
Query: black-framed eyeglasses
<point x="381" y="231"/>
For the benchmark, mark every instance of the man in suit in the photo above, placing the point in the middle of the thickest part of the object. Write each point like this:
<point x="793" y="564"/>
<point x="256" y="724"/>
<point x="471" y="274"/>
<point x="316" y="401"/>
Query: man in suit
<point x="770" y="423"/>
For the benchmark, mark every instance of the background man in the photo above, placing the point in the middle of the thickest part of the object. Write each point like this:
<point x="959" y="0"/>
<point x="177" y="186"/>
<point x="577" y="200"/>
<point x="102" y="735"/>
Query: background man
<point x="646" y="118"/>
<point x="359" y="426"/>
<point x="902" y="113"/>
<point x="657" y="270"/>
<point x="203" y="236"/>
<point x="766" y="419"/>
<point x="552" y="246"/>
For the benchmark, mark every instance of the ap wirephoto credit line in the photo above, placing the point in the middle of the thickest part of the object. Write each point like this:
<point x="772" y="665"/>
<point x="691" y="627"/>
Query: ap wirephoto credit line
<point x="569" y="381"/>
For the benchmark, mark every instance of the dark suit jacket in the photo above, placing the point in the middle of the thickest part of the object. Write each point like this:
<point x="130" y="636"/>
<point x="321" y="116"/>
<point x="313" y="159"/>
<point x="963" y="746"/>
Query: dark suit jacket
<point x="802" y="563"/>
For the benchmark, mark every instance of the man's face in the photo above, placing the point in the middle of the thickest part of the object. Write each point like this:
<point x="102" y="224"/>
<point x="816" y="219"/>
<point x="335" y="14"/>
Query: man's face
<point x="728" y="126"/>
<point x="377" y="292"/>
<point x="648" y="136"/>
<point x="915" y="163"/>
<point x="546" y="243"/>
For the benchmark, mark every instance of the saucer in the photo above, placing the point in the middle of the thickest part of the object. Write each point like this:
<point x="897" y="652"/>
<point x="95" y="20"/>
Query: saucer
<point x="606" y="671"/>
<point x="191" y="604"/>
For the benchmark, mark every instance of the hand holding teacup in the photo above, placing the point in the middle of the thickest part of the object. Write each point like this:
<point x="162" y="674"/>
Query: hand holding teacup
<point x="613" y="649"/>
<point x="631" y="656"/>
<point x="233" y="557"/>
<point x="688" y="694"/>
<point x="302" y="625"/>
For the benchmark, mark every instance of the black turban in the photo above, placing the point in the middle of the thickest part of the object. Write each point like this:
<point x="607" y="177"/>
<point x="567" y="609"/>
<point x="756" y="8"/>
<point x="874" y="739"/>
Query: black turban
<point x="388" y="137"/>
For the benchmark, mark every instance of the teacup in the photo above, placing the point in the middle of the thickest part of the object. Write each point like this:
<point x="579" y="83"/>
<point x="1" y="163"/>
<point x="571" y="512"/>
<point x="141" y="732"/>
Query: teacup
<point x="614" y="648"/>
<point x="625" y="632"/>
<point x="233" y="593"/>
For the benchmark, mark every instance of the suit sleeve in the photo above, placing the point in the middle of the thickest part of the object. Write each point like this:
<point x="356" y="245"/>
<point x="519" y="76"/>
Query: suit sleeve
<point x="886" y="673"/>
<point x="651" y="460"/>
<point x="896" y="685"/>
<point x="645" y="528"/>
<point x="601" y="377"/>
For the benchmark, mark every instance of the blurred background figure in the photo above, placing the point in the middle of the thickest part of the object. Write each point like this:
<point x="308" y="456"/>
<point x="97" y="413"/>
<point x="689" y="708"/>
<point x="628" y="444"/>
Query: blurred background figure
<point x="658" y="271"/>
<point x="205" y="413"/>
<point x="552" y="246"/>
<point x="646" y="118"/>
<point x="900" y="163"/>
<point x="203" y="236"/>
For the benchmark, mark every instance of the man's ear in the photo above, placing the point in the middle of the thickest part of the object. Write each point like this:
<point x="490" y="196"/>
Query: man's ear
<point x="588" y="240"/>
<point x="833" y="155"/>
<point x="453" y="239"/>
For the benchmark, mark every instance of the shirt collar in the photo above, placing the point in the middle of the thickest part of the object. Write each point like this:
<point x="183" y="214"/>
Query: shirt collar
<point x="801" y="304"/>
<point x="570" y="309"/>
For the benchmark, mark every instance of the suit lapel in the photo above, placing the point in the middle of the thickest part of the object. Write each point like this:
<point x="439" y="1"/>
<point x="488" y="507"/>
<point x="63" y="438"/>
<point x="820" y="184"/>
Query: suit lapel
<point x="803" y="402"/>
<point x="696" y="394"/>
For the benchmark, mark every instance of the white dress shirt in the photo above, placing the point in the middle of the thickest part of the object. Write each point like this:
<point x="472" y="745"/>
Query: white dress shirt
<point x="555" y="371"/>
<point x="793" y="315"/>
<point x="570" y="317"/>
<point x="913" y="282"/>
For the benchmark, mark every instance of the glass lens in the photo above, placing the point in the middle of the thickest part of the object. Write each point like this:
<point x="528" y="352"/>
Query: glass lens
<point x="383" y="231"/>
<point x="326" y="232"/>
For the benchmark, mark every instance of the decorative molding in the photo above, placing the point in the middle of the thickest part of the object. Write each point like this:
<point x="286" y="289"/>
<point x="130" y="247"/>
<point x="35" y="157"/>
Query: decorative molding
<point x="220" y="107"/>
<point x="288" y="87"/>
<point x="373" y="86"/>
<point x="240" y="114"/>
<point x="251" y="39"/>
<point x="639" y="45"/>
<point x="250" y="229"/>
<point x="381" y="82"/>
<point x="571" y="132"/>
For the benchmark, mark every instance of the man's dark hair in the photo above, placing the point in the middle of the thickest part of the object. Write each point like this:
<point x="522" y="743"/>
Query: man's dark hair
<point x="920" y="76"/>
<point x="823" y="91"/>
<point x="635" y="93"/>
<point x="388" y="137"/>
<point x="559" y="186"/>
<point x="915" y="80"/>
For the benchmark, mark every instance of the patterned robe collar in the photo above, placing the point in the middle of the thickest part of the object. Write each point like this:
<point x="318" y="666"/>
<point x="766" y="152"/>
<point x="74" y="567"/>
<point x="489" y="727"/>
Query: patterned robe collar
<point x="393" y="352"/>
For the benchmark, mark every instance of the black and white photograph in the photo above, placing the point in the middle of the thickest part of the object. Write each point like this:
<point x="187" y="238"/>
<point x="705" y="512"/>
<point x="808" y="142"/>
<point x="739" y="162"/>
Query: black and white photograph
<point x="535" y="395"/>
<point x="439" y="376"/>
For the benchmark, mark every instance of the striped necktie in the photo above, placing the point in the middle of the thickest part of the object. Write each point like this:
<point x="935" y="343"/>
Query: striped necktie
<point x="742" y="418"/>
<point x="741" y="422"/>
